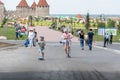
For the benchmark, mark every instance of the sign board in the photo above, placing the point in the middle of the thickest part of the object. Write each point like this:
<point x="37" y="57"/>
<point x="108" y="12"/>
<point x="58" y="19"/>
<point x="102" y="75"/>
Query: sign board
<point x="101" y="31"/>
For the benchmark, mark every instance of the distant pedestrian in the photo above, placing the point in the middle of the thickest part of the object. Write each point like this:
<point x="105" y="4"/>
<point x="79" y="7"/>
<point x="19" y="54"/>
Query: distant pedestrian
<point x="35" y="38"/>
<point x="86" y="39"/>
<point x="41" y="44"/>
<point x="111" y="38"/>
<point x="90" y="39"/>
<point x="81" y="38"/>
<point x="22" y="31"/>
<point x="17" y="35"/>
<point x="31" y="36"/>
<point x="106" y="39"/>
<point x="78" y="32"/>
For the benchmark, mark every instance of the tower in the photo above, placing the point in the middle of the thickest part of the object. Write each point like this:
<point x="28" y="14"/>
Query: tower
<point x="42" y="8"/>
<point x="33" y="7"/>
<point x="2" y="9"/>
<point x="23" y="9"/>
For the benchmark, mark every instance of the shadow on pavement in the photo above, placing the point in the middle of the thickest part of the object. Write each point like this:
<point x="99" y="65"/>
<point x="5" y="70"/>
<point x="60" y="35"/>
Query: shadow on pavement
<point x="53" y="75"/>
<point x="2" y="44"/>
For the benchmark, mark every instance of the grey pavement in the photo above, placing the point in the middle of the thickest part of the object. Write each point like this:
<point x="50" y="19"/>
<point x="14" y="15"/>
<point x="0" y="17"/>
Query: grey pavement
<point x="22" y="63"/>
<point x="115" y="45"/>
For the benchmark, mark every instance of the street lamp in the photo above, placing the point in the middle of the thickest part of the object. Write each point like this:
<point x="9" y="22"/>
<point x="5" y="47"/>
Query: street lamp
<point x="104" y="21"/>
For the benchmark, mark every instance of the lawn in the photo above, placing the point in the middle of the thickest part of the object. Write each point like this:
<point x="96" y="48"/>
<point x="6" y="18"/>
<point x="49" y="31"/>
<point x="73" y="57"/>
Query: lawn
<point x="9" y="32"/>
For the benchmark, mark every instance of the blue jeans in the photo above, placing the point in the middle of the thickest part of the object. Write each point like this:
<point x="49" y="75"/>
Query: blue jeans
<point x="82" y="43"/>
<point x="105" y="42"/>
<point x="90" y="44"/>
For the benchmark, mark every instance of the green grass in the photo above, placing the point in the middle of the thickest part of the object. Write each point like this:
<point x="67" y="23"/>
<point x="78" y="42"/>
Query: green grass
<point x="10" y="33"/>
<point x="42" y="23"/>
<point x="100" y="37"/>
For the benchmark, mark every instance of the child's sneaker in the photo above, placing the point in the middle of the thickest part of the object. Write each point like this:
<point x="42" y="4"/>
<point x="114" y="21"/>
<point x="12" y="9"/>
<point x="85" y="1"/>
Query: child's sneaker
<point x="41" y="58"/>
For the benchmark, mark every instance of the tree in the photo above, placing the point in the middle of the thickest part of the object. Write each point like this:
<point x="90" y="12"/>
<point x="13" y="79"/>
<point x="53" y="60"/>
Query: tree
<point x="30" y="20"/>
<point x="118" y="26"/>
<point x="4" y="26"/>
<point x="3" y="22"/>
<point x="110" y="23"/>
<point x="100" y="24"/>
<point x="37" y="19"/>
<point x="87" y="25"/>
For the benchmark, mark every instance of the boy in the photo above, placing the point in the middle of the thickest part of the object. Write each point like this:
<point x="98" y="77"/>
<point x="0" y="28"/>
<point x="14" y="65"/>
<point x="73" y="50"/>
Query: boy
<point x="41" y="44"/>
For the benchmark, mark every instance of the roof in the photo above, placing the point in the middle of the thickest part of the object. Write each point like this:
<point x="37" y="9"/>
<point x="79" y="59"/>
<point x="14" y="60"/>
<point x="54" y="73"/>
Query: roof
<point x="79" y="16"/>
<point x="33" y="5"/>
<point x="23" y="3"/>
<point x="42" y="3"/>
<point x="1" y="2"/>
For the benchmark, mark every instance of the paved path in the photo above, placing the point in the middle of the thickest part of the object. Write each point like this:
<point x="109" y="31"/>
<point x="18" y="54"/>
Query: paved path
<point x="22" y="63"/>
<point x="51" y="35"/>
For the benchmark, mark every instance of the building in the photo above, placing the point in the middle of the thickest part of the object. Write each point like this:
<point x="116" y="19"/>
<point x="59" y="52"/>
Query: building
<point x="2" y="9"/>
<point x="23" y="9"/>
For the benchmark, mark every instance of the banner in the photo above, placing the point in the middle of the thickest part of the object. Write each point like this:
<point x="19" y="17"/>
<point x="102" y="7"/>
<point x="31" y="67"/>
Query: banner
<point x="101" y="31"/>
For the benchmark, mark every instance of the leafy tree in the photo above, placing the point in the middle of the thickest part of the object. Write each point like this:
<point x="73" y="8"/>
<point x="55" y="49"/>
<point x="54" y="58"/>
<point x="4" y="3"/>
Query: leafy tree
<point x="3" y="22"/>
<point x="100" y="24"/>
<point x="30" y="20"/>
<point x="118" y="26"/>
<point x="4" y="26"/>
<point x="87" y="25"/>
<point x="110" y="23"/>
<point x="37" y="19"/>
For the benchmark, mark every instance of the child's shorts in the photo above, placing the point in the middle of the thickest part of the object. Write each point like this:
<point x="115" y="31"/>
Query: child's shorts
<point x="41" y="50"/>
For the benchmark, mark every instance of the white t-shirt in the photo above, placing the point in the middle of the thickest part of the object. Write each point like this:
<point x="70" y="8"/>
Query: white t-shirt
<point x="31" y="35"/>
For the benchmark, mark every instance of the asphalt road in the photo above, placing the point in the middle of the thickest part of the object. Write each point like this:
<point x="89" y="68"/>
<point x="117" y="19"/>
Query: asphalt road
<point x="20" y="63"/>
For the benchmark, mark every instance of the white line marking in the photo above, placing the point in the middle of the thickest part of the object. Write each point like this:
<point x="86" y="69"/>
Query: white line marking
<point x="108" y="49"/>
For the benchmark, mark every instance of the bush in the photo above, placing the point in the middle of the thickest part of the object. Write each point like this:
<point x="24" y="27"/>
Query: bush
<point x="4" y="22"/>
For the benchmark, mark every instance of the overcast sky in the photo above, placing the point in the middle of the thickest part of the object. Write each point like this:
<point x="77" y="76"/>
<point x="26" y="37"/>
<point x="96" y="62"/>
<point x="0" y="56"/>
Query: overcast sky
<point x="74" y="6"/>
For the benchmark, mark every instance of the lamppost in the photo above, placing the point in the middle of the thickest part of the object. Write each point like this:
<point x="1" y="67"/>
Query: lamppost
<point x="104" y="21"/>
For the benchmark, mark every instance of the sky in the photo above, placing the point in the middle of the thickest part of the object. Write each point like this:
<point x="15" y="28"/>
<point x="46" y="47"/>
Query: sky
<point x="74" y="6"/>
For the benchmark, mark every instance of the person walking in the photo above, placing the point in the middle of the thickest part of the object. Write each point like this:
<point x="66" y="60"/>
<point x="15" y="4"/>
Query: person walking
<point x="106" y="39"/>
<point x="30" y="37"/>
<point x="17" y="35"/>
<point x="111" y="38"/>
<point x="35" y="38"/>
<point x="41" y="44"/>
<point x="90" y="38"/>
<point x="81" y="38"/>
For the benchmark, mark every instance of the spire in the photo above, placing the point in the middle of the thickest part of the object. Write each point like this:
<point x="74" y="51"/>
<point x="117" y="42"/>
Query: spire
<point x="34" y="5"/>
<point x="43" y="3"/>
<point x="1" y="2"/>
<point x="23" y="3"/>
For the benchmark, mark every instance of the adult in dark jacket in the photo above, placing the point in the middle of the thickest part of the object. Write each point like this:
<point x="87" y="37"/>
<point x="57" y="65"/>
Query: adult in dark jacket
<point x="90" y="38"/>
